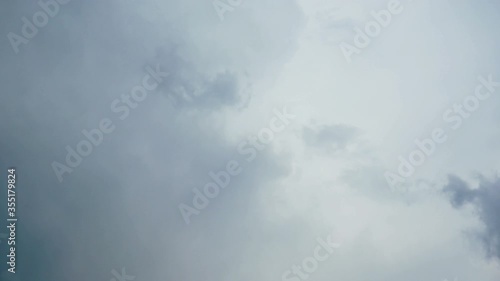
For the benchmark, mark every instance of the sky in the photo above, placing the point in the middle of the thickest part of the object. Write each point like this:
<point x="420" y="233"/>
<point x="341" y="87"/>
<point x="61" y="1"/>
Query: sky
<point x="282" y="140"/>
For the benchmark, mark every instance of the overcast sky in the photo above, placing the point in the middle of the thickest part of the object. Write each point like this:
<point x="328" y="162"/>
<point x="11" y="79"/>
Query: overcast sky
<point x="224" y="74"/>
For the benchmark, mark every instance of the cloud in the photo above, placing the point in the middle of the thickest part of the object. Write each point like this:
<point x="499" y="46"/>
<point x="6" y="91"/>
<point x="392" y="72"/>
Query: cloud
<point x="330" y="137"/>
<point x="119" y="208"/>
<point x="486" y="199"/>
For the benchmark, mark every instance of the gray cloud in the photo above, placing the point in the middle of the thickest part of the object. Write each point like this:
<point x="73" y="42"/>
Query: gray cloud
<point x="330" y="137"/>
<point x="486" y="198"/>
<point x="119" y="207"/>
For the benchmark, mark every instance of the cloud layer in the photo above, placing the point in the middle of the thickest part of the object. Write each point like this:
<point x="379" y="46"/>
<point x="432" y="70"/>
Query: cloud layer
<point x="323" y="174"/>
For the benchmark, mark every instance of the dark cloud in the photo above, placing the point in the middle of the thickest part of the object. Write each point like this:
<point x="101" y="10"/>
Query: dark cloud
<point x="486" y="198"/>
<point x="119" y="208"/>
